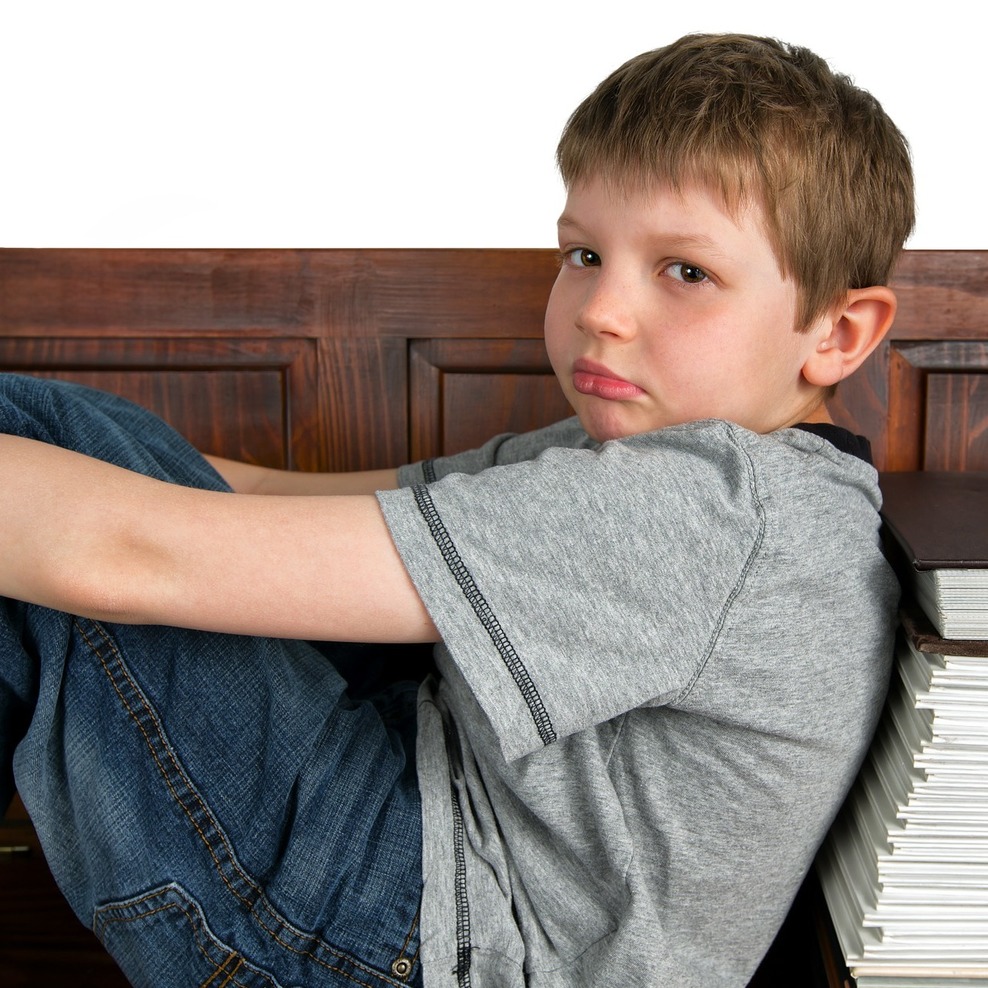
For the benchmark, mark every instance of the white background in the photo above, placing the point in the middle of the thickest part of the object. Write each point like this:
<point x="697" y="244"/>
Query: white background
<point x="425" y="123"/>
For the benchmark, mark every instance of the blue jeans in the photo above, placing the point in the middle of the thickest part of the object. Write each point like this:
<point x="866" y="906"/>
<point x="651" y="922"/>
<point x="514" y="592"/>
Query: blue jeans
<point x="221" y="810"/>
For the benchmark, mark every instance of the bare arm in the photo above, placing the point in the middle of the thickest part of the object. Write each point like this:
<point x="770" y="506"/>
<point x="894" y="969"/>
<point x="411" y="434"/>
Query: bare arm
<point x="79" y="535"/>
<point x="246" y="478"/>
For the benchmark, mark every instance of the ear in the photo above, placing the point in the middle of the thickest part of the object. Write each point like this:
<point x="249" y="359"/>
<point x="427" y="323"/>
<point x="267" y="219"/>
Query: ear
<point x="848" y="334"/>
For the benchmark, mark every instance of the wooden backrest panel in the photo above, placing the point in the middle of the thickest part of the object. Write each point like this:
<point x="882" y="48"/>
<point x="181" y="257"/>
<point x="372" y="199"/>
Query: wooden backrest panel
<point x="353" y="359"/>
<point x="922" y="397"/>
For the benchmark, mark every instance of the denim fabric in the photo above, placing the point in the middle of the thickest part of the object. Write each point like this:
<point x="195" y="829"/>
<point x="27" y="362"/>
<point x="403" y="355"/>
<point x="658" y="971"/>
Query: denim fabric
<point x="221" y="810"/>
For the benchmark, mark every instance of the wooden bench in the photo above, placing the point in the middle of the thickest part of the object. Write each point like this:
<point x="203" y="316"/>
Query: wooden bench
<point x="357" y="359"/>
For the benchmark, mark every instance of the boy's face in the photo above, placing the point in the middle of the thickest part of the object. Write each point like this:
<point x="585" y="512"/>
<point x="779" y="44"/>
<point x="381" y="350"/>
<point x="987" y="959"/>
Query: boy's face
<point x="668" y="309"/>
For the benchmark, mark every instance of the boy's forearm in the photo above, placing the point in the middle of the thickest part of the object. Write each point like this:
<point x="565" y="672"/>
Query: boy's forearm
<point x="247" y="478"/>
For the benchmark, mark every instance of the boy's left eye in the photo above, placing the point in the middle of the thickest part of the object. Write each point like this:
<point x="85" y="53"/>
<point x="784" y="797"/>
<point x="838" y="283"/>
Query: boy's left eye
<point x="690" y="274"/>
<point x="581" y="257"/>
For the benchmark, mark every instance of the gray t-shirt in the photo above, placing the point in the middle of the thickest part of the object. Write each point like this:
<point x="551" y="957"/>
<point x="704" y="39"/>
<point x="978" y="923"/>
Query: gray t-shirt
<point x="662" y="660"/>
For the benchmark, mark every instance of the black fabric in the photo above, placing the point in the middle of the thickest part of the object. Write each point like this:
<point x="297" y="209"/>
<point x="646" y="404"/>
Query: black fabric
<point x="842" y="439"/>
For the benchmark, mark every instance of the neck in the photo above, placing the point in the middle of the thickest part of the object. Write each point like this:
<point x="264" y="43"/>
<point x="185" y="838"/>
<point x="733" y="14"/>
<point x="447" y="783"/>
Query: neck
<point x="818" y="414"/>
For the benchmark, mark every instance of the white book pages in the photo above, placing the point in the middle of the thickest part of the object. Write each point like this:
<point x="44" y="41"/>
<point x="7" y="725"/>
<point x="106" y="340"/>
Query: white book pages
<point x="955" y="600"/>
<point x="905" y="870"/>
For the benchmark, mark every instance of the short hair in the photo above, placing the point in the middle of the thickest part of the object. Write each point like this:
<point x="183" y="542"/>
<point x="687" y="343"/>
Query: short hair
<point x="761" y="122"/>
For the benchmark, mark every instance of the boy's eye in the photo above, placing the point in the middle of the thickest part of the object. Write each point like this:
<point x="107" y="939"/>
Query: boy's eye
<point x="688" y="273"/>
<point x="582" y="258"/>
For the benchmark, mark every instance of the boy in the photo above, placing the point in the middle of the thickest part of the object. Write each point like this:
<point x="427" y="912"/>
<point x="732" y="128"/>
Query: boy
<point x="664" y="625"/>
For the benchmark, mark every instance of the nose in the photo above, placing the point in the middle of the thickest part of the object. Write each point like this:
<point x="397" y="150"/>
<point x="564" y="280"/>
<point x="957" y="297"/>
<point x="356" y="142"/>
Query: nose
<point x="607" y="309"/>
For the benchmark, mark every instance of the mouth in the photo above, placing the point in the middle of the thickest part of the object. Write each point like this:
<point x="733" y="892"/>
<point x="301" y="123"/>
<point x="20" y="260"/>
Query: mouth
<point x="590" y="378"/>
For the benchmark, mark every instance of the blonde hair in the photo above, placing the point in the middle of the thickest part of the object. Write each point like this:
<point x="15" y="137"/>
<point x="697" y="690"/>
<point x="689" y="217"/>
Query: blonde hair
<point x="765" y="123"/>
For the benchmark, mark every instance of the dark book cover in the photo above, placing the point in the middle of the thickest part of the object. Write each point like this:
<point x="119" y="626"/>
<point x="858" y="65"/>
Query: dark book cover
<point x="921" y="632"/>
<point x="939" y="519"/>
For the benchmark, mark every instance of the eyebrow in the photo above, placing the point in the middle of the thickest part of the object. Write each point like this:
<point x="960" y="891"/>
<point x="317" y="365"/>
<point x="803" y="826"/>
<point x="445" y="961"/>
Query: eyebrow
<point x="688" y="242"/>
<point x="675" y="242"/>
<point x="568" y="221"/>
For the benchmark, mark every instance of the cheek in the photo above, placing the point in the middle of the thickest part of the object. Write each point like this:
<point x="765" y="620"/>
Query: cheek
<point x="552" y="340"/>
<point x="558" y="327"/>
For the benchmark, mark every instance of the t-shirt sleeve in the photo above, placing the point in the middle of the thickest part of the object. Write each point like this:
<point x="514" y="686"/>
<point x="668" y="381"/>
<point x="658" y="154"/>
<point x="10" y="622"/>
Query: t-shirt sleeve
<point x="574" y="587"/>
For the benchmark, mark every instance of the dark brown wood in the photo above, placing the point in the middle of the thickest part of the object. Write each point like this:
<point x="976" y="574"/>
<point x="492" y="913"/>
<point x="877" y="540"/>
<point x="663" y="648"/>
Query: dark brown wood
<point x="906" y="427"/>
<point x="943" y="294"/>
<point x="935" y="412"/>
<point x="17" y="837"/>
<point x="957" y="415"/>
<point x="327" y="293"/>
<point x="465" y="391"/>
<point x="362" y="401"/>
<point x="287" y="358"/>
<point x="390" y="298"/>
<point x="941" y="327"/>
<point x="246" y="398"/>
<point x="41" y="941"/>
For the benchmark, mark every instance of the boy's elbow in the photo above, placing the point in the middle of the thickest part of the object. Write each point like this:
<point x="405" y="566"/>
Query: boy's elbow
<point x="98" y="595"/>
<point x="118" y="583"/>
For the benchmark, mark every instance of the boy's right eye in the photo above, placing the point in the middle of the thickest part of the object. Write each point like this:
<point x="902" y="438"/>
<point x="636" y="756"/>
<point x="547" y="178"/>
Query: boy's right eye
<point x="581" y="257"/>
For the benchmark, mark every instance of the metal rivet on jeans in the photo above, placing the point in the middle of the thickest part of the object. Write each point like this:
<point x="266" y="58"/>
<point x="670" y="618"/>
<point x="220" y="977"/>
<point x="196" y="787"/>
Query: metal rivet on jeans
<point x="402" y="967"/>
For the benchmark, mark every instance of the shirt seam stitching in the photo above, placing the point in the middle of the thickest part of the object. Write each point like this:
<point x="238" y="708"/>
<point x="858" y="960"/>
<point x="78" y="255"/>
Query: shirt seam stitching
<point x="745" y="569"/>
<point x="485" y="614"/>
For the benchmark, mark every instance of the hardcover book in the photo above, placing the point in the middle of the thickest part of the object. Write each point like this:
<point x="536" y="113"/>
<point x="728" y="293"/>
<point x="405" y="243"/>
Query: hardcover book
<point x="938" y="528"/>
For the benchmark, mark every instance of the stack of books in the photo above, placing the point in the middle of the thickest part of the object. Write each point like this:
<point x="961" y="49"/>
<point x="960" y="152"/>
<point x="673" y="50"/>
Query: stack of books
<point x="939" y="524"/>
<point x="905" y="869"/>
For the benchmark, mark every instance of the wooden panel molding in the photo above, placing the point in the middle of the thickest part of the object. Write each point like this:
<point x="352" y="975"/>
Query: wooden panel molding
<point x="957" y="415"/>
<point x="465" y="391"/>
<point x="937" y="405"/>
<point x="941" y="328"/>
<point x="247" y="399"/>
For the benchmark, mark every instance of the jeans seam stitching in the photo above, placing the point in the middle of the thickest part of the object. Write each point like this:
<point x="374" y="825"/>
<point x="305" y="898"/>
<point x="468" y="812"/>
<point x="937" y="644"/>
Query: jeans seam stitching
<point x="197" y="938"/>
<point x="229" y="976"/>
<point x="274" y="924"/>
<point x="408" y="939"/>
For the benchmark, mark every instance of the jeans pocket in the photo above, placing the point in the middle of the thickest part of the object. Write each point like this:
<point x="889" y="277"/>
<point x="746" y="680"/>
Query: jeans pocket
<point x="161" y="940"/>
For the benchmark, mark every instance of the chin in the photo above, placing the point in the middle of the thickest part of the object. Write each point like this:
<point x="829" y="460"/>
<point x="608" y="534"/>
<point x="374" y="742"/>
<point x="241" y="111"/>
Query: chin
<point x="602" y="428"/>
<point x="603" y="420"/>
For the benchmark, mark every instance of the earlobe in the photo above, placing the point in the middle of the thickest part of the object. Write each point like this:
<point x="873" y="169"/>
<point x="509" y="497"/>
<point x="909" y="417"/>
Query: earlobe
<point x="848" y="334"/>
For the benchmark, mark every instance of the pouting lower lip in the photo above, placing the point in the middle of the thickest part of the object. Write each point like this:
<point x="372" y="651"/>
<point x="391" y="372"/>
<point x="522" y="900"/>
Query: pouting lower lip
<point x="603" y="385"/>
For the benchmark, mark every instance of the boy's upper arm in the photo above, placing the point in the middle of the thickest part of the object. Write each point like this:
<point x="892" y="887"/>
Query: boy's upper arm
<point x="299" y="567"/>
